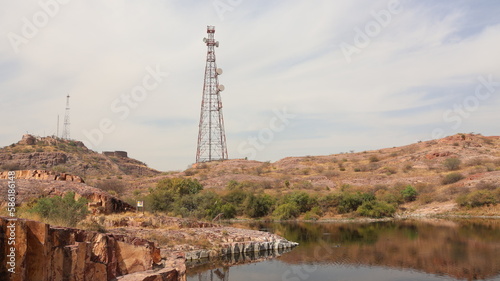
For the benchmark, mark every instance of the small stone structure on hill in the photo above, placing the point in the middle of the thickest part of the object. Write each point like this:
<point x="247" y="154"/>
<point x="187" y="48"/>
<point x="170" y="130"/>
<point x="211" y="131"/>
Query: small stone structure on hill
<point x="116" y="153"/>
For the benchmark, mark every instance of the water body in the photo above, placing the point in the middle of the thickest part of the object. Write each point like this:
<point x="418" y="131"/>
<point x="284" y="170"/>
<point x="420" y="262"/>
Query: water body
<point x="396" y="250"/>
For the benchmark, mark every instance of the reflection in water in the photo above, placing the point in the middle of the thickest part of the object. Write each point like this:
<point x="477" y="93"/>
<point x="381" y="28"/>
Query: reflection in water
<point x="397" y="250"/>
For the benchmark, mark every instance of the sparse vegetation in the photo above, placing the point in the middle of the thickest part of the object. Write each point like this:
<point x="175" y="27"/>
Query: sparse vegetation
<point x="452" y="164"/>
<point x="477" y="198"/>
<point x="65" y="211"/>
<point x="452" y="178"/>
<point x="111" y="185"/>
<point x="376" y="209"/>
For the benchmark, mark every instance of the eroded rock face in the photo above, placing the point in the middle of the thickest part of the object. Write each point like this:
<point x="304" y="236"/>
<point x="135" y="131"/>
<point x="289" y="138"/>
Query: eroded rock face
<point x="32" y="184"/>
<point x="42" y="175"/>
<point x="49" y="253"/>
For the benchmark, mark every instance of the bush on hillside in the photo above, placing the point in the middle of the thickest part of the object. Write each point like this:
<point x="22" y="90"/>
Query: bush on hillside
<point x="452" y="164"/>
<point x="452" y="178"/>
<point x="376" y="209"/>
<point x="65" y="211"/>
<point x="349" y="201"/>
<point x="477" y="198"/>
<point x="409" y="194"/>
<point x="258" y="205"/>
<point x="286" y="211"/>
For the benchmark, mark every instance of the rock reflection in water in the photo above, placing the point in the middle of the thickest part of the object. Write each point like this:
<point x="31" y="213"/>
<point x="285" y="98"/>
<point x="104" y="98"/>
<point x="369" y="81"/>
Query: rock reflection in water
<point x="431" y="249"/>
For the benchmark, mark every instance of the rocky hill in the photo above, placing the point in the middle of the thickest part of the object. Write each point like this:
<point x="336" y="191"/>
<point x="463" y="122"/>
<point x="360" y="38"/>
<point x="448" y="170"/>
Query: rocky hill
<point x="424" y="165"/>
<point x="69" y="156"/>
<point x="415" y="163"/>
<point x="34" y="184"/>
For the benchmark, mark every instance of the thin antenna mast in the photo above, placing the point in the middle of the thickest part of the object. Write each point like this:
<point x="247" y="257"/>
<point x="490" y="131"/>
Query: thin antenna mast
<point x="66" y="131"/>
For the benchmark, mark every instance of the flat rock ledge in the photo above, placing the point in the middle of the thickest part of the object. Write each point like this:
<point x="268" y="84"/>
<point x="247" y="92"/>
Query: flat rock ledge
<point x="242" y="248"/>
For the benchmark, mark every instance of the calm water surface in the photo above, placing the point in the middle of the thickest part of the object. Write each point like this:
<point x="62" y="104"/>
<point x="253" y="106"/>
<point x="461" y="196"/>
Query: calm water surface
<point x="400" y="250"/>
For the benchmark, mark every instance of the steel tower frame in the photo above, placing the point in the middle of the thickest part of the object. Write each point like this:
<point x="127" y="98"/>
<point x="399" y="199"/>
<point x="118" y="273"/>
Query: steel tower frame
<point x="66" y="130"/>
<point x="211" y="135"/>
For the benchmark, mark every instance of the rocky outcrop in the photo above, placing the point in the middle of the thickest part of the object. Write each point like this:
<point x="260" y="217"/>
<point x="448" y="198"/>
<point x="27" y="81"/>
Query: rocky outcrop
<point x="251" y="248"/>
<point x="52" y="153"/>
<point x="33" y="159"/>
<point x="157" y="221"/>
<point x="100" y="202"/>
<point x="438" y="154"/>
<point x="42" y="175"/>
<point x="43" y="252"/>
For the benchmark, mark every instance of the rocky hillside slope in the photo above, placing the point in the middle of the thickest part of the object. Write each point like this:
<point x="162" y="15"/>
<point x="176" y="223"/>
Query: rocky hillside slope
<point x="424" y="165"/>
<point x="33" y="184"/>
<point x="416" y="163"/>
<point x="68" y="156"/>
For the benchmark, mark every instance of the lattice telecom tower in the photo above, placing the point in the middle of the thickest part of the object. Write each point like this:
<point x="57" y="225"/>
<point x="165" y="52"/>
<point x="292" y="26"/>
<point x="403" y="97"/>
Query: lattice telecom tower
<point x="66" y="133"/>
<point x="211" y="136"/>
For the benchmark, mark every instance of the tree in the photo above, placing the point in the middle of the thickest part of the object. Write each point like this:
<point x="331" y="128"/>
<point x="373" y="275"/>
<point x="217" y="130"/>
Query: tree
<point x="409" y="193"/>
<point x="171" y="190"/>
<point x="180" y="186"/>
<point x="286" y="211"/>
<point x="258" y="205"/>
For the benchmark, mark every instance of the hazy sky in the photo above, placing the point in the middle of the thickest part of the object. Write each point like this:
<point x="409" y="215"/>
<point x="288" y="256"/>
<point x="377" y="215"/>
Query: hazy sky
<point x="301" y="77"/>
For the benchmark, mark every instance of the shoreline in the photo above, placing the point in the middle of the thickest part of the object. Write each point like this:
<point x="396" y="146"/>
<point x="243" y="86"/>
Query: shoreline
<point x="362" y="219"/>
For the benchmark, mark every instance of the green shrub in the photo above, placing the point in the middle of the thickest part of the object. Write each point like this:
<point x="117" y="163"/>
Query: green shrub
<point x="303" y="201"/>
<point x="477" y="198"/>
<point x="452" y="178"/>
<point x="161" y="200"/>
<point x="228" y="210"/>
<point x="329" y="201"/>
<point x="373" y="159"/>
<point x="409" y="194"/>
<point x="61" y="210"/>
<point x="236" y="197"/>
<point x="258" y="205"/>
<point x="452" y="164"/>
<point x="349" y="202"/>
<point x="376" y="209"/>
<point x="286" y="211"/>
<point x="180" y="186"/>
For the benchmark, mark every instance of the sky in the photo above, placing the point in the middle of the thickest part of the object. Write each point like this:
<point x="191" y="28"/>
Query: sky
<point x="301" y="77"/>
